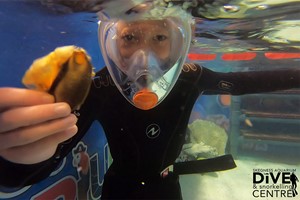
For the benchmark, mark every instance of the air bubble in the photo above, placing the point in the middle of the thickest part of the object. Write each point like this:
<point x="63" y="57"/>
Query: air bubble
<point x="262" y="7"/>
<point x="231" y="8"/>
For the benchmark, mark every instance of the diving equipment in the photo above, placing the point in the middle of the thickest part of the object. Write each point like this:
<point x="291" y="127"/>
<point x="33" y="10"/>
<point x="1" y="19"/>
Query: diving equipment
<point x="144" y="51"/>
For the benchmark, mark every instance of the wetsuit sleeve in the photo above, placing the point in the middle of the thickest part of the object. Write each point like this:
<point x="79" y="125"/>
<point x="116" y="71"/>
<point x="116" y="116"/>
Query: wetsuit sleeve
<point x="238" y="83"/>
<point x="20" y="175"/>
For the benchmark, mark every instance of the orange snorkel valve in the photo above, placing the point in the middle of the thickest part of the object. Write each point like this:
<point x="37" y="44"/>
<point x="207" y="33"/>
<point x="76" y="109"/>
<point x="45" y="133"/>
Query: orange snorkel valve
<point x="145" y="99"/>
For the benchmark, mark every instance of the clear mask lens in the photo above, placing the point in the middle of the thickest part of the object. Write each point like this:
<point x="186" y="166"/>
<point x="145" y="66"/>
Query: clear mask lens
<point x="145" y="57"/>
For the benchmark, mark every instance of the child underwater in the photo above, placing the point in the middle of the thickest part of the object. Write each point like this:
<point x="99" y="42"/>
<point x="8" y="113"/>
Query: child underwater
<point x="146" y="111"/>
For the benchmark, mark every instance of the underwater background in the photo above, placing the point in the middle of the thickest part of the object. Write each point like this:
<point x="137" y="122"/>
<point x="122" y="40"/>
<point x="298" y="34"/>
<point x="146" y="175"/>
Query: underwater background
<point x="262" y="132"/>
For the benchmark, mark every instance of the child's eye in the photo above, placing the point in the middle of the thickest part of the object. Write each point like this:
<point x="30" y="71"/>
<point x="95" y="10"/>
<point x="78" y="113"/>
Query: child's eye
<point x="128" y="37"/>
<point x="160" y="38"/>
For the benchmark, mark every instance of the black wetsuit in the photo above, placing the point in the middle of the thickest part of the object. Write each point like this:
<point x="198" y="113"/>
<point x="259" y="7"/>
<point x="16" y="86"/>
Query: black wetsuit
<point x="144" y="143"/>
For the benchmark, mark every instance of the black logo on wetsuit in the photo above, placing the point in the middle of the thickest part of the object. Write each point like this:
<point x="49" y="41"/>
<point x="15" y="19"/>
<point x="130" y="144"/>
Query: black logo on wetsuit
<point x="152" y="131"/>
<point x="224" y="85"/>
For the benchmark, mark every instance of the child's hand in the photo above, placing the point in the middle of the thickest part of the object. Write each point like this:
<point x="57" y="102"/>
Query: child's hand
<point x="32" y="125"/>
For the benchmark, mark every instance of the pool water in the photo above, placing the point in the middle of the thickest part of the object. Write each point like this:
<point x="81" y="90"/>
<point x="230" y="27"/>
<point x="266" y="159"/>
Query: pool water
<point x="264" y="129"/>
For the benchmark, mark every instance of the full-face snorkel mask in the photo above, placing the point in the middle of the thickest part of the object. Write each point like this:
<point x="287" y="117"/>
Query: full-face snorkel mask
<point x="144" y="50"/>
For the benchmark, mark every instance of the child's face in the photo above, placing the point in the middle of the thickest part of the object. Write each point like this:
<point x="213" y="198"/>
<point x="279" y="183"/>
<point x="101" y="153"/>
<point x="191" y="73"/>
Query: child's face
<point x="151" y="35"/>
<point x="145" y="56"/>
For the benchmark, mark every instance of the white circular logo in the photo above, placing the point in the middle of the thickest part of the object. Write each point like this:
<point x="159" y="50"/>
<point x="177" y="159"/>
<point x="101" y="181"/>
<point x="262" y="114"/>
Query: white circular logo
<point x="152" y="131"/>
